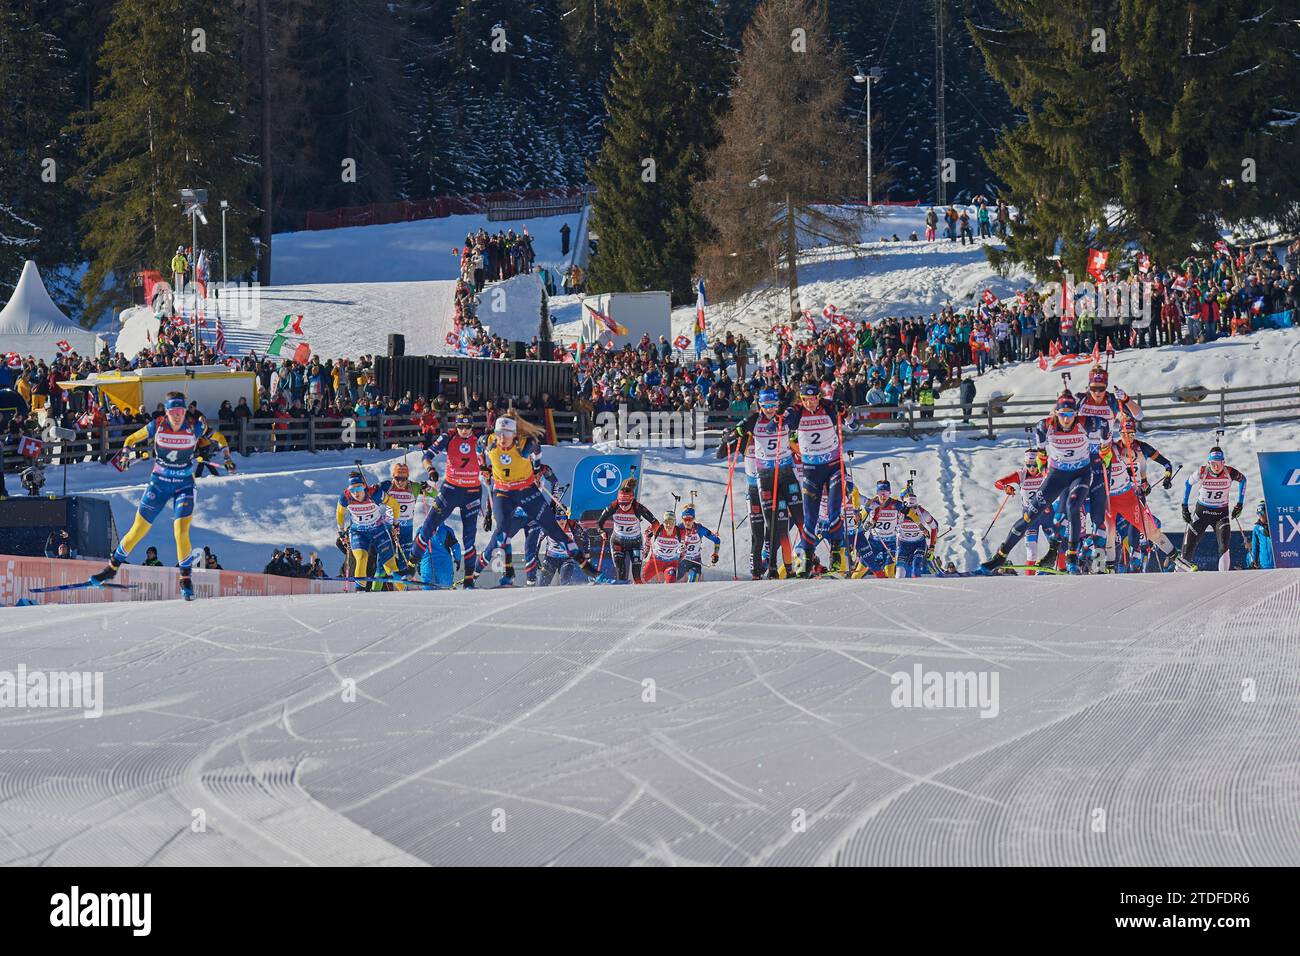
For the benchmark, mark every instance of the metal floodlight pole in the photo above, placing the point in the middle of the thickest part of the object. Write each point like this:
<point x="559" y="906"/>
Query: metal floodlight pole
<point x="224" y="206"/>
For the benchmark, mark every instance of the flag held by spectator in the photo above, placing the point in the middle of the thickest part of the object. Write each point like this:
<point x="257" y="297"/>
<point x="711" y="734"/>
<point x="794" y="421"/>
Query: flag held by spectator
<point x="221" y="337"/>
<point x="64" y="346"/>
<point x="13" y="360"/>
<point x="290" y="324"/>
<point x="988" y="297"/>
<point x="1097" y="263"/>
<point x="1144" y="263"/>
<point x="302" y="354"/>
<point x="612" y="327"/>
<point x="700" y="324"/>
<point x="1220" y="246"/>
<point x="682" y="342"/>
<point x="30" y="447"/>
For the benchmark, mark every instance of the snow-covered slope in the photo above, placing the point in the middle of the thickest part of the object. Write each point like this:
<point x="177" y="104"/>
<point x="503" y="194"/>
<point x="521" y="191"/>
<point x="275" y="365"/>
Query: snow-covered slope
<point x="340" y="319"/>
<point x="403" y="251"/>
<point x="870" y="281"/>
<point x="720" y="723"/>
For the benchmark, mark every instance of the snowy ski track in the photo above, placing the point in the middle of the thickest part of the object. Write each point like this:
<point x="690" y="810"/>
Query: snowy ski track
<point x="770" y="739"/>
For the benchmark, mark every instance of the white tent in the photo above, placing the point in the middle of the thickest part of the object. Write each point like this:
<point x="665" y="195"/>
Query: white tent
<point x="31" y="324"/>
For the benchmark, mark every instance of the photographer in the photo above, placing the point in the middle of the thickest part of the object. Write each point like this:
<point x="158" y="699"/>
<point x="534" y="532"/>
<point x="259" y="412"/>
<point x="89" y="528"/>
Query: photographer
<point x="59" y="545"/>
<point x="276" y="565"/>
<point x="315" y="569"/>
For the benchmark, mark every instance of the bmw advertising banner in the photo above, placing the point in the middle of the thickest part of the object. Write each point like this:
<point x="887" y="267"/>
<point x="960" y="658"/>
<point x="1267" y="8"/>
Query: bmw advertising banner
<point x="1280" y="473"/>
<point x="596" y="479"/>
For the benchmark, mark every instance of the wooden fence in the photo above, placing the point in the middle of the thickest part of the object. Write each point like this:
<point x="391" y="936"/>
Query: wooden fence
<point x="304" y="434"/>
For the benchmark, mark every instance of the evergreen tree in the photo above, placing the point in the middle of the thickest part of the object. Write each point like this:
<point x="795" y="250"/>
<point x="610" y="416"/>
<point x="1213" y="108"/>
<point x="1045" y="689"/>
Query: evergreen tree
<point x="668" y="84"/>
<point x="38" y="206"/>
<point x="1141" y="133"/>
<point x="786" y="154"/>
<point x="165" y="117"/>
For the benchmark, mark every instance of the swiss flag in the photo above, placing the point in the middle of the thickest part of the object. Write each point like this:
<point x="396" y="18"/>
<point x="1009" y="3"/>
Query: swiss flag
<point x="1097" y="262"/>
<point x="64" y="346"/>
<point x="988" y="297"/>
<point x="682" y="342"/>
<point x="13" y="360"/>
<point x="30" y="447"/>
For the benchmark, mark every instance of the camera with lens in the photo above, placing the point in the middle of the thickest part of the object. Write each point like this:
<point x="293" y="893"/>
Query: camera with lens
<point x="33" y="479"/>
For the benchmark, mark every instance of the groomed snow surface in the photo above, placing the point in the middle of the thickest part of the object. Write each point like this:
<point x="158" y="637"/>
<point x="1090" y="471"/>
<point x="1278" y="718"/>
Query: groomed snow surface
<point x="1126" y="720"/>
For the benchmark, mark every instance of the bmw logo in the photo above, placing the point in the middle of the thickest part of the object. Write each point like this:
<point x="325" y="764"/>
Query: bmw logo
<point x="605" y="478"/>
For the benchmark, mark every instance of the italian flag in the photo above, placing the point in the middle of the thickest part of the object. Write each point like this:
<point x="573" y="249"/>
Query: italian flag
<point x="279" y="346"/>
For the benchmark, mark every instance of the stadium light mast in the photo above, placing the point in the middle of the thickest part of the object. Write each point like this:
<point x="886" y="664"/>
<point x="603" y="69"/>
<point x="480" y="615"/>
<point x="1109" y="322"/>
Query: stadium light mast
<point x="870" y="79"/>
<point x="940" y="146"/>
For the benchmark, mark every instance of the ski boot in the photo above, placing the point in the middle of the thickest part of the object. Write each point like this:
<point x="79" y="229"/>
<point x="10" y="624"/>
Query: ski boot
<point x="107" y="574"/>
<point x="507" y="577"/>
<point x="187" y="585"/>
<point x="1182" y="564"/>
<point x="530" y="579"/>
<point x="839" y="562"/>
<point x="992" y="565"/>
<point x="467" y="582"/>
<point x="1072" y="562"/>
<point x="787" y="571"/>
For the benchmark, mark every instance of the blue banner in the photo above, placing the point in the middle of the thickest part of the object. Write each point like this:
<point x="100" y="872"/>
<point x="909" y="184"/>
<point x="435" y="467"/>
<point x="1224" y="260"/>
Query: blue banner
<point x="596" y="479"/>
<point x="1280" y="473"/>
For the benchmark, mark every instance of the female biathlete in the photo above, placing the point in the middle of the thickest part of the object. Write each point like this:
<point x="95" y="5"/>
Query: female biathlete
<point x="512" y="461"/>
<point x="176" y="435"/>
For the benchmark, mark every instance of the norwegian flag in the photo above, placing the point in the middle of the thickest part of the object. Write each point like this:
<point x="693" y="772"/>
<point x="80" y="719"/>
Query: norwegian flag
<point x="64" y="346"/>
<point x="1097" y="263"/>
<point x="13" y="360"/>
<point x="1144" y="263"/>
<point x="988" y="298"/>
<point x="30" y="447"/>
<point x="221" y="336"/>
<point x="682" y="342"/>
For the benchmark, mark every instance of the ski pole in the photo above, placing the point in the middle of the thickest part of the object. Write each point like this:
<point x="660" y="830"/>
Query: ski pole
<point x="728" y="495"/>
<point x="1005" y="499"/>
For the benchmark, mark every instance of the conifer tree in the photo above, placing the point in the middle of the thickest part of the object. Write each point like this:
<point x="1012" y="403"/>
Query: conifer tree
<point x="166" y="116"/>
<point x="1153" y="122"/>
<point x="668" y="83"/>
<point x="38" y="206"/>
<point x="787" y="154"/>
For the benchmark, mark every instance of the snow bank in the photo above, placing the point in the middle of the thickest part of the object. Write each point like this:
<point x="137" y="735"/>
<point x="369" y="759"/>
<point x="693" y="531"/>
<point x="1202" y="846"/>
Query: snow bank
<point x="403" y="251"/>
